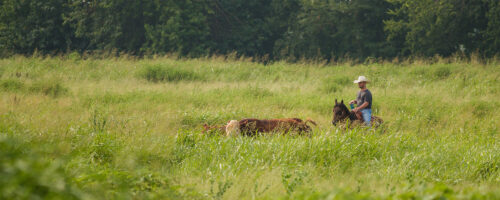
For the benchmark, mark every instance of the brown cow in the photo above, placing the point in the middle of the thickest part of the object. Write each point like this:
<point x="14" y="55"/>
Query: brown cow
<point x="253" y="126"/>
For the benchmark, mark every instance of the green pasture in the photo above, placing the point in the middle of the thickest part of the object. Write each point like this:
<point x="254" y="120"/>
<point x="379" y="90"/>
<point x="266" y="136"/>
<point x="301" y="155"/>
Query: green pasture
<point x="127" y="128"/>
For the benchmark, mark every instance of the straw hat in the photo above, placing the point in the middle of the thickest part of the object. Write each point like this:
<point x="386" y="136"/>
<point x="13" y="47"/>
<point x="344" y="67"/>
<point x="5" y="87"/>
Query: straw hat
<point x="361" y="79"/>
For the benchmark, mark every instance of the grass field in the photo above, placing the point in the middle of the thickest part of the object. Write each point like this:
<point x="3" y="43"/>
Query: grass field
<point x="129" y="128"/>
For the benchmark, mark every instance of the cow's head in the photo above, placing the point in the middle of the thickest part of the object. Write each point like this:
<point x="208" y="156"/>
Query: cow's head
<point x="233" y="128"/>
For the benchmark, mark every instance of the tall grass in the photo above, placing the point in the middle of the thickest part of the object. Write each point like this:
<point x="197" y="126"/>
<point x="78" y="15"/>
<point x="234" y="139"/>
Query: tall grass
<point x="127" y="128"/>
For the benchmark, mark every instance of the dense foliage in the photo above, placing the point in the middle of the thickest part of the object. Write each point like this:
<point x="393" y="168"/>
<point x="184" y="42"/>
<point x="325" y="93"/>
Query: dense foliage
<point x="275" y="29"/>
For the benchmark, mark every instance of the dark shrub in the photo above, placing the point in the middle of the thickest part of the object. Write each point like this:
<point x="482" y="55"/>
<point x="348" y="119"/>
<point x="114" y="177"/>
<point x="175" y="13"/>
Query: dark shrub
<point x="442" y="72"/>
<point x="157" y="73"/>
<point x="49" y="88"/>
<point x="11" y="85"/>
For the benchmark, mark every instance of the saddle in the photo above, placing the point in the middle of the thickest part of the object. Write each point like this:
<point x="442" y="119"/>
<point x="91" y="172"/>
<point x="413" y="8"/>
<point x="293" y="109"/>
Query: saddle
<point x="358" y="115"/>
<point x="374" y="119"/>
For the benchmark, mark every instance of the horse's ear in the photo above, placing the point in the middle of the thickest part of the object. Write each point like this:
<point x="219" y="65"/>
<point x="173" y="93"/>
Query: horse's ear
<point x="342" y="102"/>
<point x="336" y="102"/>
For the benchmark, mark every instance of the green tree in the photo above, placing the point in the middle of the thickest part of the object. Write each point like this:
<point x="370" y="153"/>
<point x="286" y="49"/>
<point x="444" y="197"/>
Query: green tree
<point x="109" y="24"/>
<point x="430" y="27"/>
<point x="279" y="29"/>
<point x="249" y="28"/>
<point x="178" y="26"/>
<point x="332" y="29"/>
<point x="492" y="34"/>
<point x="29" y="25"/>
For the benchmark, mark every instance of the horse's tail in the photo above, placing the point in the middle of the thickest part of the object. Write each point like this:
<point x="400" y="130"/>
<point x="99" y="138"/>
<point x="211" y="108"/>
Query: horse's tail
<point x="311" y="121"/>
<point x="377" y="121"/>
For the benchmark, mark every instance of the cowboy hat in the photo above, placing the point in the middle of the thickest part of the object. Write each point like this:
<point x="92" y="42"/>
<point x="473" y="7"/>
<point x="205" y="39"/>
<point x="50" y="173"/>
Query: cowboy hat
<point x="361" y="79"/>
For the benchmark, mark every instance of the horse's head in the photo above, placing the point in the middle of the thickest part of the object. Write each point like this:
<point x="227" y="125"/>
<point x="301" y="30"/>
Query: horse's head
<point x="340" y="112"/>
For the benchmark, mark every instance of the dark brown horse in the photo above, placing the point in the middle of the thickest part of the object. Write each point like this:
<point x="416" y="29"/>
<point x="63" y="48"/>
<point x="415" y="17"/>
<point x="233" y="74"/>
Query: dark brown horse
<point x="341" y="114"/>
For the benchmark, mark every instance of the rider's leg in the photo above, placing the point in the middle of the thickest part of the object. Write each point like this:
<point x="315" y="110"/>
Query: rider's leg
<point x="367" y="116"/>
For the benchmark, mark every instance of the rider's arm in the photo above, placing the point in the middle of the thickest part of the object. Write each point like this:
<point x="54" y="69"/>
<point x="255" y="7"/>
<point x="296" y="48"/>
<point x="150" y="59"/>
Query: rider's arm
<point x="361" y="107"/>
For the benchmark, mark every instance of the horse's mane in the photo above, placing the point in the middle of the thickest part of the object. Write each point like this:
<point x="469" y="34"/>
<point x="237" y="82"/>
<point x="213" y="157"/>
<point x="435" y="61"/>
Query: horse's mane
<point x="344" y="107"/>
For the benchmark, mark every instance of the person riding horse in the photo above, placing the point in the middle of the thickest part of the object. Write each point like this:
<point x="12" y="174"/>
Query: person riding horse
<point x="363" y="100"/>
<point x="362" y="114"/>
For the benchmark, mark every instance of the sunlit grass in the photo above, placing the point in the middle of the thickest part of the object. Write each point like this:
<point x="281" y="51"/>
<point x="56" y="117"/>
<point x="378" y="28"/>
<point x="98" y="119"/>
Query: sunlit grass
<point x="106" y="130"/>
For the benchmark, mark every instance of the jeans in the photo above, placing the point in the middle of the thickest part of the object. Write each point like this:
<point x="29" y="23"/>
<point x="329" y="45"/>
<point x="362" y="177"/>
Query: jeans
<point x="367" y="115"/>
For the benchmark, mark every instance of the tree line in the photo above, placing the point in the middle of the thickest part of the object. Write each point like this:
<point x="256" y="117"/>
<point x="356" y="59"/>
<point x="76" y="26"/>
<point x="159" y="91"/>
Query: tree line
<point x="274" y="29"/>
